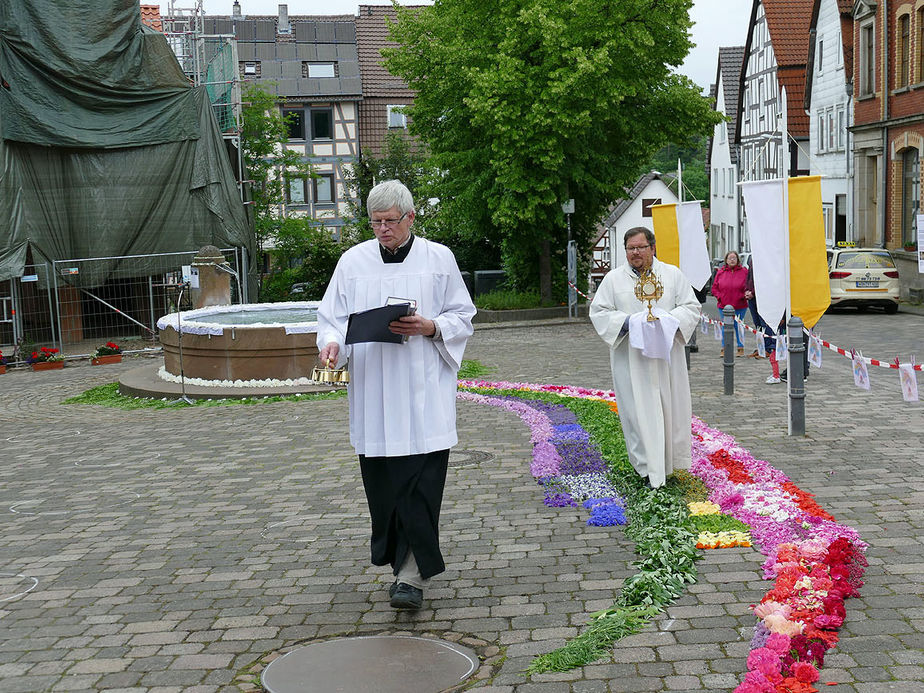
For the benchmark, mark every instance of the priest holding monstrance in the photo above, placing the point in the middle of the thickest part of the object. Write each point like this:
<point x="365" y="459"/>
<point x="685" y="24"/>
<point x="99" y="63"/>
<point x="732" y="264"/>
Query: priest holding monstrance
<point x="645" y="310"/>
<point x="403" y="378"/>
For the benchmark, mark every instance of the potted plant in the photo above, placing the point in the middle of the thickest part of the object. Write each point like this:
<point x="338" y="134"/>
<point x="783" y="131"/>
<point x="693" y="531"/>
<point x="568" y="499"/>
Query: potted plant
<point x="2" y="364"/>
<point x="911" y="246"/>
<point x="110" y="352"/>
<point x="45" y="359"/>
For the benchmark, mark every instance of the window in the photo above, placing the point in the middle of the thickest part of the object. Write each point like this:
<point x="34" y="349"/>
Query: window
<point x="920" y="25"/>
<point x="295" y="191"/>
<point x="396" y="119"/>
<point x="832" y="131"/>
<point x="646" y="205"/>
<point x="317" y="70"/>
<point x="322" y="124"/>
<point x="911" y="193"/>
<point x="841" y="127"/>
<point x="295" y="122"/>
<point x="715" y="183"/>
<point x="249" y="69"/>
<point x="821" y="56"/>
<point x="820" y="117"/>
<point x="324" y="188"/>
<point x="867" y="60"/>
<point x="904" y="51"/>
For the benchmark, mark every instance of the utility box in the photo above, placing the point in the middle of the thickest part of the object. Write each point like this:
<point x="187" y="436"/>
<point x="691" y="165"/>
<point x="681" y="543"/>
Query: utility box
<point x="487" y="280"/>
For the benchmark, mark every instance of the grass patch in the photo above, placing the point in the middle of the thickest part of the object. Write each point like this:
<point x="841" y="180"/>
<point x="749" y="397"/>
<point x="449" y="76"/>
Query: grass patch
<point x="473" y="369"/>
<point x="503" y="299"/>
<point x="108" y="396"/>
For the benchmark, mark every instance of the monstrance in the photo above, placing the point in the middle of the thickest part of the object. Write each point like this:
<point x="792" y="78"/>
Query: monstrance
<point x="649" y="289"/>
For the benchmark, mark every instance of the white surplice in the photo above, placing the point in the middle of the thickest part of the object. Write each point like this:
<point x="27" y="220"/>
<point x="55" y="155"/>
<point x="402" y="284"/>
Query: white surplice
<point x="402" y="396"/>
<point x="652" y="394"/>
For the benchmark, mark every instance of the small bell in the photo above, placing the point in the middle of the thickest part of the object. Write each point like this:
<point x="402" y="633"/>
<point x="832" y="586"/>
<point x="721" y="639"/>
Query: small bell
<point x="330" y="375"/>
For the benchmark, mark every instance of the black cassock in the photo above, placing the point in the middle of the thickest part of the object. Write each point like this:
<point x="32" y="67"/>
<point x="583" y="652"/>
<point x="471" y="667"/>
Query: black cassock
<point x="404" y="495"/>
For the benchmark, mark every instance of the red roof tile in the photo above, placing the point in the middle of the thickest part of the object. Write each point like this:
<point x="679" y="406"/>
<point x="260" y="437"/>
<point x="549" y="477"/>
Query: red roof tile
<point x="788" y="22"/>
<point x="150" y="15"/>
<point x="371" y="37"/>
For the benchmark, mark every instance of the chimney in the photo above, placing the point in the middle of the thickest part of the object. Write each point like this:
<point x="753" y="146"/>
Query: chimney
<point x="282" y="26"/>
<point x="236" y="9"/>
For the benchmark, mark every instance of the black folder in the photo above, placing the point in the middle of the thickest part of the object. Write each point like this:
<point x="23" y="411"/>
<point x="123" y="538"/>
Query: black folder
<point x="372" y="325"/>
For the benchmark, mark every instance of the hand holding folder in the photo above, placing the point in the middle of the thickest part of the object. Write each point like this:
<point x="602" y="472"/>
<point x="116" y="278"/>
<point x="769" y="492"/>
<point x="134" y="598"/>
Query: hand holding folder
<point x="372" y="325"/>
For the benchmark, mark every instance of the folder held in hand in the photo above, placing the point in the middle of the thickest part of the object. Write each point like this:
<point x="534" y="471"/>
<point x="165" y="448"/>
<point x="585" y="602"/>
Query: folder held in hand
<point x="372" y="325"/>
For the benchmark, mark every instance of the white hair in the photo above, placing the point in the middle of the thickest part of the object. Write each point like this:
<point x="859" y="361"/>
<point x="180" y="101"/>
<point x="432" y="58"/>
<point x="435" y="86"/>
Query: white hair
<point x="388" y="194"/>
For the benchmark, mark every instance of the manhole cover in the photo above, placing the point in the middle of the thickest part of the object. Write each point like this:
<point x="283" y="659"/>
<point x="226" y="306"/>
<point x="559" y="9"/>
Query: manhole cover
<point x="371" y="664"/>
<point x="465" y="458"/>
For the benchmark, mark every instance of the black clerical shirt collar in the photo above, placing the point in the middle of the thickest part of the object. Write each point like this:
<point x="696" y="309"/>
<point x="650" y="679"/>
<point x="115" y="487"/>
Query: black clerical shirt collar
<point x="399" y="253"/>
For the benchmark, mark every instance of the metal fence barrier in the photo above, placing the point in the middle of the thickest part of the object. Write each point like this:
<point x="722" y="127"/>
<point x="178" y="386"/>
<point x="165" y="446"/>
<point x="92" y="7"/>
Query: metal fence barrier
<point x="77" y="305"/>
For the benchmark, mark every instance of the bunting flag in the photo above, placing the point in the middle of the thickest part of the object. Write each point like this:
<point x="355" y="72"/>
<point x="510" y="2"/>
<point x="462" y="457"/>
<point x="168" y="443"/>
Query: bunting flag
<point x="809" y="288"/>
<point x="681" y="239"/>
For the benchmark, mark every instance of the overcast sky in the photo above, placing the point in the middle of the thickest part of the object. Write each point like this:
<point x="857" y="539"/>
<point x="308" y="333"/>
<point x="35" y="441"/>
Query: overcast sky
<point x="716" y="23"/>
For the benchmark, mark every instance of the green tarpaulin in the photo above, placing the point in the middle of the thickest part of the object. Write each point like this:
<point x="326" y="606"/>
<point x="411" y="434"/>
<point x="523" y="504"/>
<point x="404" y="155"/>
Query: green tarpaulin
<point x="106" y="149"/>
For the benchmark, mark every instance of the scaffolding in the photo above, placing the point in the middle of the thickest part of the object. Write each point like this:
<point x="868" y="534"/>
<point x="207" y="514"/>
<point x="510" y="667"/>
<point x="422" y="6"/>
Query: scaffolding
<point x="210" y="61"/>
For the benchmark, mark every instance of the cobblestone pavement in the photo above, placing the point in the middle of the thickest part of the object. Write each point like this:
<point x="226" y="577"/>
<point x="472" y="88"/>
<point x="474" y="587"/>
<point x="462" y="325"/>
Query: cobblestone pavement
<point x="172" y="550"/>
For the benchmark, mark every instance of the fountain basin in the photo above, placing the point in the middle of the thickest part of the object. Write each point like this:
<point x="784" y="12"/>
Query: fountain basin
<point x="258" y="342"/>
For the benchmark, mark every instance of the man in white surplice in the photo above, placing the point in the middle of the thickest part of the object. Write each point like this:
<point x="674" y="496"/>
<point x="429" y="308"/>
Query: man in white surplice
<point x="647" y="358"/>
<point x="402" y="396"/>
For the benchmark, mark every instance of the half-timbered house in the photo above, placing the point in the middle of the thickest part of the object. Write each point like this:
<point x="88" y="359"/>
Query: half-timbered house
<point x="310" y="64"/>
<point x="775" y="57"/>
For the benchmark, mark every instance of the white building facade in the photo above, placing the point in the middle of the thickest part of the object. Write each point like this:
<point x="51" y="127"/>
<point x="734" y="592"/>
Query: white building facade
<point x="829" y="104"/>
<point x="724" y="193"/>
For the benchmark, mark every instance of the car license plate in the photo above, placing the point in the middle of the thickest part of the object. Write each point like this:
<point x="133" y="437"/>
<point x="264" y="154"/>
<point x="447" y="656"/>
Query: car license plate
<point x="868" y="284"/>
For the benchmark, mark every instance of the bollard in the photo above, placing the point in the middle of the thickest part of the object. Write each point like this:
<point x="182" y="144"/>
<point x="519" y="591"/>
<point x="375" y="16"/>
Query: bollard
<point x="686" y="353"/>
<point x="796" y="379"/>
<point x="728" y="353"/>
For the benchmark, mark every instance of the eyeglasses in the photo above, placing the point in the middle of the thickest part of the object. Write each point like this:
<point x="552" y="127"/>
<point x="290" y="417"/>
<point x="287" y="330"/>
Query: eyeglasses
<point x="388" y="222"/>
<point x="636" y="248"/>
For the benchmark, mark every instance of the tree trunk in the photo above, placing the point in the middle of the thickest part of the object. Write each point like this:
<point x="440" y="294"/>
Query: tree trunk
<point x="545" y="273"/>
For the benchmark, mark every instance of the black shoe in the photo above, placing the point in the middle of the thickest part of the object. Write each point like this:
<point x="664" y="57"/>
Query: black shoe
<point x="783" y="376"/>
<point x="407" y="597"/>
<point x="392" y="589"/>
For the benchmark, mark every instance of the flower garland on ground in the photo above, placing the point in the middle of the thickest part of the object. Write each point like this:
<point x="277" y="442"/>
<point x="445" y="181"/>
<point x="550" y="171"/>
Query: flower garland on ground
<point x="570" y="469"/>
<point x="815" y="563"/>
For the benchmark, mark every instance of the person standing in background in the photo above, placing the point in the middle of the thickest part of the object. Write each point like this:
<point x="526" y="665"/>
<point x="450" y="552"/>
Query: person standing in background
<point x="728" y="288"/>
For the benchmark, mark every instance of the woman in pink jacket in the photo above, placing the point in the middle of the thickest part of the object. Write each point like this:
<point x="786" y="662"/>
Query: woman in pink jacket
<point x="728" y="288"/>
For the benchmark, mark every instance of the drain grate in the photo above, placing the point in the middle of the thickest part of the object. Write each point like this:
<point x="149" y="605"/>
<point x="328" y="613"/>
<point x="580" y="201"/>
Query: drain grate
<point x="468" y="458"/>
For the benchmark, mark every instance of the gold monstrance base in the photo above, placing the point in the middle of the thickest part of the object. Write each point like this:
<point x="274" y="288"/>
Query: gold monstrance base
<point x="649" y="289"/>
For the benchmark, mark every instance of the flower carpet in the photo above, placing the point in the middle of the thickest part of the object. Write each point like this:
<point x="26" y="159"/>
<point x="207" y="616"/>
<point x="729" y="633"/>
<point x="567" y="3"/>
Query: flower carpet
<point x="814" y="562"/>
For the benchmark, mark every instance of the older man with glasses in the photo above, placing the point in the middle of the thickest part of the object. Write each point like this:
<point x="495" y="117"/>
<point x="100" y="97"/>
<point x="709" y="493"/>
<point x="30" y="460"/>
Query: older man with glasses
<point x="402" y="395"/>
<point x="647" y="358"/>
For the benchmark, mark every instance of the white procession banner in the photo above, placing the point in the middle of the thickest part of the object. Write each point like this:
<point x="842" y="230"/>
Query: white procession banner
<point x="767" y="226"/>
<point x="694" y="256"/>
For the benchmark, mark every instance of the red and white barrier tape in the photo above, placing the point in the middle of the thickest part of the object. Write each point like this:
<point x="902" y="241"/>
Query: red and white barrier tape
<point x="843" y="352"/>
<point x="580" y="293"/>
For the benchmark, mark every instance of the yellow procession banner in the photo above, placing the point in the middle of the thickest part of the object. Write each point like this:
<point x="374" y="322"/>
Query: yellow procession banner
<point x="809" y="286"/>
<point x="681" y="239"/>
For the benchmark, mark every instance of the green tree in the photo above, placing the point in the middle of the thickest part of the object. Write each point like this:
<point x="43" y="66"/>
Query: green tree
<point x="527" y="103"/>
<point x="263" y="137"/>
<point x="692" y="156"/>
<point x="413" y="167"/>
<point x="306" y="254"/>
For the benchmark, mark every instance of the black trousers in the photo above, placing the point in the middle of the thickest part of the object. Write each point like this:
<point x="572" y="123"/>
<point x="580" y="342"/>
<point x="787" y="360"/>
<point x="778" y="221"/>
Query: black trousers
<point x="404" y="496"/>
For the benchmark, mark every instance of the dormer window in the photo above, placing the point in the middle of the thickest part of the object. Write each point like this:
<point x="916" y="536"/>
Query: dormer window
<point x="319" y="70"/>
